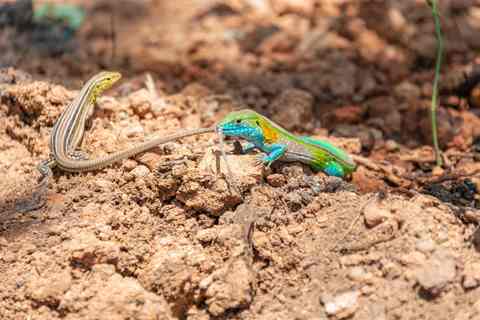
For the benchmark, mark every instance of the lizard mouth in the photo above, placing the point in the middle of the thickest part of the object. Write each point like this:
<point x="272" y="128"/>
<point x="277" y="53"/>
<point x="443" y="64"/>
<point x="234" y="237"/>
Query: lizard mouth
<point x="224" y="130"/>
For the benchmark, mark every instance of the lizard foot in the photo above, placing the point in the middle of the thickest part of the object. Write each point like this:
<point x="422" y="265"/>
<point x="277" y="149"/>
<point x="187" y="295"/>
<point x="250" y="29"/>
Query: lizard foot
<point x="79" y="155"/>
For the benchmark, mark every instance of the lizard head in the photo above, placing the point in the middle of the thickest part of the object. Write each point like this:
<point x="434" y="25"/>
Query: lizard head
<point x="103" y="81"/>
<point x="246" y="124"/>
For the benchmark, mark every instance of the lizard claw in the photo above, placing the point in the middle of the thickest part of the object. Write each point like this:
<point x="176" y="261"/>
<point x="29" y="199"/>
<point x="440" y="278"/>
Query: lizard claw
<point x="259" y="161"/>
<point x="263" y="161"/>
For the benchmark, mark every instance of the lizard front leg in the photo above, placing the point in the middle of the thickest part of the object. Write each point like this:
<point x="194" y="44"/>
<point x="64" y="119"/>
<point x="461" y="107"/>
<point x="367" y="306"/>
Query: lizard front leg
<point x="274" y="152"/>
<point x="248" y="147"/>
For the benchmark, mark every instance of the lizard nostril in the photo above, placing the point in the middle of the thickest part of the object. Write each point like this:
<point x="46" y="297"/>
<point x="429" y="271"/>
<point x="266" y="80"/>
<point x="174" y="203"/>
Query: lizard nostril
<point x="238" y="121"/>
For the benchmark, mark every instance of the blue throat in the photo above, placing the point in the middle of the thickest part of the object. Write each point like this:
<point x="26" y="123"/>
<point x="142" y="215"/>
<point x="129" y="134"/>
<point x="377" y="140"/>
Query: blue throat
<point x="251" y="134"/>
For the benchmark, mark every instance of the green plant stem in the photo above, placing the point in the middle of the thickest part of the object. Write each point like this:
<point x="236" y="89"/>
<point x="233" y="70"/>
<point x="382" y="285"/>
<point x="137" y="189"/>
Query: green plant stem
<point x="438" y="33"/>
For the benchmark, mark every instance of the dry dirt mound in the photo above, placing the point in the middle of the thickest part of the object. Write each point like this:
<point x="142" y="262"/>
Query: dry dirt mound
<point x="162" y="236"/>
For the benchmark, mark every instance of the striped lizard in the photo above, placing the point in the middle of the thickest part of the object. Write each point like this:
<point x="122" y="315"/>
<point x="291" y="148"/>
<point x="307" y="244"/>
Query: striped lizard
<point x="69" y="129"/>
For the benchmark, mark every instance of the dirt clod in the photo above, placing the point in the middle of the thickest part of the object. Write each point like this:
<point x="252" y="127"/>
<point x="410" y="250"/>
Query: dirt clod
<point x="342" y="305"/>
<point x="437" y="272"/>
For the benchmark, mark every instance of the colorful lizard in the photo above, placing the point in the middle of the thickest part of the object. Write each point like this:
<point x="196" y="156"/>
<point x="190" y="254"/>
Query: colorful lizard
<point x="279" y="144"/>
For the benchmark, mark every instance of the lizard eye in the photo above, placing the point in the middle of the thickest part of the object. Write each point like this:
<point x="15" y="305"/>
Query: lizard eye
<point x="238" y="121"/>
<point x="258" y="123"/>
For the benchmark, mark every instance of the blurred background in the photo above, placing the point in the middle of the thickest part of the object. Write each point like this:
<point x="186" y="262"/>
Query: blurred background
<point x="357" y="68"/>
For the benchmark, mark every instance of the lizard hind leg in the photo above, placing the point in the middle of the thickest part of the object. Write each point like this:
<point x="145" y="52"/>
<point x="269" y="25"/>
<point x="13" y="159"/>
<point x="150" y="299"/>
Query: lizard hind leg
<point x="334" y="169"/>
<point x="45" y="168"/>
<point x="79" y="155"/>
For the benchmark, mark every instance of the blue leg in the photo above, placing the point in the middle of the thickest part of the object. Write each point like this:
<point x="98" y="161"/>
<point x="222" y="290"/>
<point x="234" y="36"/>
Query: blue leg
<point x="334" y="169"/>
<point x="274" y="152"/>
<point x="248" y="147"/>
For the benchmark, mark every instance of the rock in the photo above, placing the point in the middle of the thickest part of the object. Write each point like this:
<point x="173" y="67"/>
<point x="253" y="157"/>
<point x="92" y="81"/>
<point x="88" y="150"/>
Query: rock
<point x="294" y="201"/>
<point x="425" y="245"/>
<point x="346" y="115"/>
<point x="413" y="259"/>
<point x="229" y="287"/>
<point x="197" y="90"/>
<point x="133" y="131"/>
<point x="471" y="275"/>
<point x="103" y="185"/>
<point x="407" y="91"/>
<point x="49" y="289"/>
<point x="437" y="171"/>
<point x="437" y="272"/>
<point x="151" y="159"/>
<point x="140" y="102"/>
<point x="359" y="274"/>
<point x="384" y="114"/>
<point x="174" y="271"/>
<point x="391" y="145"/>
<point x="374" y="214"/>
<point x="293" y="109"/>
<point x="342" y="305"/>
<point x="367" y="181"/>
<point x="244" y="167"/>
<point x="368" y="136"/>
<point x="108" y="295"/>
<point x="206" y="235"/>
<point x="140" y="171"/>
<point x="299" y="7"/>
<point x="447" y="125"/>
<point x="276" y="180"/>
<point x="86" y="250"/>
<point x="129" y="164"/>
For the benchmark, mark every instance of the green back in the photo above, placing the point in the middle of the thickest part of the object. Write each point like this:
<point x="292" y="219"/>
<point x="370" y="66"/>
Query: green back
<point x="341" y="156"/>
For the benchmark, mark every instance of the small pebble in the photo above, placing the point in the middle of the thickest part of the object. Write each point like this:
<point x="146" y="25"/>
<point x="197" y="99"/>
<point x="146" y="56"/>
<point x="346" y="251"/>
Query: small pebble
<point x="140" y="171"/>
<point x="151" y="159"/>
<point x="359" y="274"/>
<point x="442" y="236"/>
<point x="425" y="245"/>
<point x="374" y="214"/>
<point x="406" y="90"/>
<point x="206" y="235"/>
<point x="133" y="131"/>
<point x="391" y="146"/>
<point x="437" y="171"/>
<point x="471" y="275"/>
<point x="276" y="180"/>
<point x="129" y="164"/>
<point x="103" y="185"/>
<point x="437" y="272"/>
<point x="343" y="305"/>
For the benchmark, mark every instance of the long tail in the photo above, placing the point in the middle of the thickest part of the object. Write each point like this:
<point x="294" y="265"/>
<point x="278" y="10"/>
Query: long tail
<point x="95" y="164"/>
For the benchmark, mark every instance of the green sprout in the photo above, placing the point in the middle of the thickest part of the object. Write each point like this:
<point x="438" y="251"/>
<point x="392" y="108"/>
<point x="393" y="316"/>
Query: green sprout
<point x="438" y="32"/>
